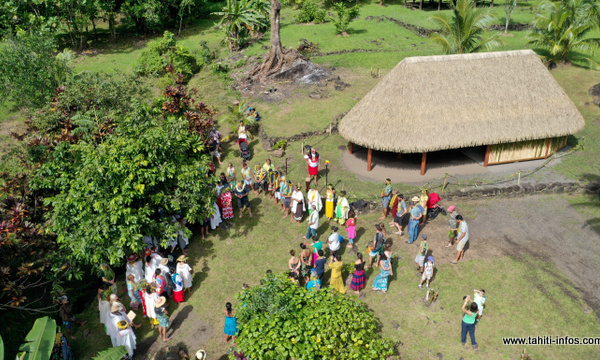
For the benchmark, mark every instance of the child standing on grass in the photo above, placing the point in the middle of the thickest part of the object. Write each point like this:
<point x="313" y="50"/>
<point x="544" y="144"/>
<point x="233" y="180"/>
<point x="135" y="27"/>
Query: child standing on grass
<point x="163" y="319"/>
<point x="351" y="228"/>
<point x="230" y="329"/>
<point x="479" y="299"/>
<point x="427" y="273"/>
<point x="423" y="248"/>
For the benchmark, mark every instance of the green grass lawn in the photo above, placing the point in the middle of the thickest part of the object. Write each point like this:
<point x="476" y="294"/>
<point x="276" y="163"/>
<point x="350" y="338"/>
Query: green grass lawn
<point x="530" y="298"/>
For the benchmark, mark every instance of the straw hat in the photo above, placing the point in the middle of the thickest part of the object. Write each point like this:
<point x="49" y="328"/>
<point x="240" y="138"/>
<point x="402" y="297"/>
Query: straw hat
<point x="201" y="355"/>
<point x="416" y="199"/>
<point x="161" y="301"/>
<point x="122" y="324"/>
<point x="164" y="261"/>
<point x="113" y="297"/>
<point x="115" y="307"/>
<point x="182" y="258"/>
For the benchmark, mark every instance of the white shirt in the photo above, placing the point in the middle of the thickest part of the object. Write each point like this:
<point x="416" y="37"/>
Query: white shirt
<point x="463" y="228"/>
<point x="314" y="219"/>
<point x="334" y="242"/>
<point x="312" y="161"/>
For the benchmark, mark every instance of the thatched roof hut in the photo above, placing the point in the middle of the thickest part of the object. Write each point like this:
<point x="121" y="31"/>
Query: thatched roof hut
<point x="431" y="103"/>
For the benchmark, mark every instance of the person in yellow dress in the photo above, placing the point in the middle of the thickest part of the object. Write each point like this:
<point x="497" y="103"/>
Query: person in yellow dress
<point x="329" y="202"/>
<point x="336" y="274"/>
<point x="423" y="202"/>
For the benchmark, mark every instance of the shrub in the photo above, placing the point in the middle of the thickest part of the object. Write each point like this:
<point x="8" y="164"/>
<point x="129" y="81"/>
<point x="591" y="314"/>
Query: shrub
<point x="311" y="12"/>
<point x="344" y="16"/>
<point x="165" y="55"/>
<point x="281" y="144"/>
<point x="280" y="320"/>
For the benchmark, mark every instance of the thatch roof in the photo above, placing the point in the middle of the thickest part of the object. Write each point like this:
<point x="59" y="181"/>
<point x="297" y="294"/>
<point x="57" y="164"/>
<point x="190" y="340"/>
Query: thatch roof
<point x="430" y="103"/>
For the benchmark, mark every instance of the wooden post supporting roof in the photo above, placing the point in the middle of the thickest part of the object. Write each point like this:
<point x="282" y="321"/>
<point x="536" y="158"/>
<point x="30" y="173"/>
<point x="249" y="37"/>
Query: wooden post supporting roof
<point x="423" y="162"/>
<point x="487" y="156"/>
<point x="369" y="159"/>
<point x="399" y="155"/>
<point x="547" y="148"/>
<point x="350" y="147"/>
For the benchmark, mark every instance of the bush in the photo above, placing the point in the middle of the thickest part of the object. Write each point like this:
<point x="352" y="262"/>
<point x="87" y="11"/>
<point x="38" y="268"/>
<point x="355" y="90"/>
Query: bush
<point x="344" y="16"/>
<point x="311" y="12"/>
<point x="280" y="320"/>
<point x="165" y="55"/>
<point x="281" y="144"/>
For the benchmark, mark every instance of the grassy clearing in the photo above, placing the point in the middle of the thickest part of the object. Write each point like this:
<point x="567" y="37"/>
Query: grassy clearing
<point x="226" y="260"/>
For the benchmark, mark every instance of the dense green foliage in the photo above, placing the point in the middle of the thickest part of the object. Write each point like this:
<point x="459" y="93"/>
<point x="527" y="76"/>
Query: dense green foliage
<point x="165" y="55"/>
<point x="30" y="69"/>
<point x="88" y="99"/>
<point x="562" y="27"/>
<point x="464" y="31"/>
<point x="78" y="18"/>
<point x="242" y="18"/>
<point x="109" y="195"/>
<point x="311" y="12"/>
<point x="344" y="16"/>
<point x="279" y="320"/>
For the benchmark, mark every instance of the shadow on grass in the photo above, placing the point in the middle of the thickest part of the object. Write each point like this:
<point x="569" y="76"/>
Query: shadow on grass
<point x="593" y="202"/>
<point x="180" y="318"/>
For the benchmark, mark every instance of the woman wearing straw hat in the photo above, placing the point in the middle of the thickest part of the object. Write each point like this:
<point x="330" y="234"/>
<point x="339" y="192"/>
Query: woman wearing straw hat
<point x="161" y="316"/>
<point x="150" y="299"/>
<point x="185" y="271"/>
<point x="135" y="267"/>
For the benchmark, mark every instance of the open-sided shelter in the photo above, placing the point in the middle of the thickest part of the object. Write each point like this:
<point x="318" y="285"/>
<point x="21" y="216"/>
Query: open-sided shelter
<point x="507" y="101"/>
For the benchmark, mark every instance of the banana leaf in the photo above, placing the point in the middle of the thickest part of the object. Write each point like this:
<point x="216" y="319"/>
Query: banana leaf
<point x="40" y="340"/>
<point x="1" y="348"/>
<point x="115" y="353"/>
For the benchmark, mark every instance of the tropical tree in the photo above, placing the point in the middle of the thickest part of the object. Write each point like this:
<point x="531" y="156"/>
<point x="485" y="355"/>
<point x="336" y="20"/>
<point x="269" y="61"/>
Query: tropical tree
<point x="32" y="71"/>
<point x="344" y="16"/>
<point x="563" y="27"/>
<point x="108" y="195"/>
<point x="239" y="19"/>
<point x="464" y="30"/>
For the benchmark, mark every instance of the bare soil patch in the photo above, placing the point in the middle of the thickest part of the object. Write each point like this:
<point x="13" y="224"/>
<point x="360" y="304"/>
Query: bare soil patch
<point x="544" y="227"/>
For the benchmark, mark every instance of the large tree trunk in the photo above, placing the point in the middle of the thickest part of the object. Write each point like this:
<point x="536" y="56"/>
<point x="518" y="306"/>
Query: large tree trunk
<point x="273" y="63"/>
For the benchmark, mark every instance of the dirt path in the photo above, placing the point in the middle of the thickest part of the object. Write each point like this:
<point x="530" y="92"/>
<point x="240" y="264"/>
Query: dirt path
<point x="544" y="227"/>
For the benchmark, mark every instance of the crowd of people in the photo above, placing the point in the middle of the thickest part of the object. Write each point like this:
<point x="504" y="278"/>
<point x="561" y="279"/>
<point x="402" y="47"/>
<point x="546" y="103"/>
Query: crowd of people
<point x="163" y="274"/>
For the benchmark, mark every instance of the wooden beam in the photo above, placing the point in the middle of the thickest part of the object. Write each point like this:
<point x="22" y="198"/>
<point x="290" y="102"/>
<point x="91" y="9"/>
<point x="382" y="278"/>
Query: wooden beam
<point x="350" y="147"/>
<point x="369" y="159"/>
<point x="547" y="148"/>
<point x="487" y="156"/>
<point x="423" y="162"/>
<point x="399" y="155"/>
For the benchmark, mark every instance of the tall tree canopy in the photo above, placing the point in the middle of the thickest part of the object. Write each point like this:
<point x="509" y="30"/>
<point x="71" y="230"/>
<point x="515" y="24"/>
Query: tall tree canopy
<point x="109" y="195"/>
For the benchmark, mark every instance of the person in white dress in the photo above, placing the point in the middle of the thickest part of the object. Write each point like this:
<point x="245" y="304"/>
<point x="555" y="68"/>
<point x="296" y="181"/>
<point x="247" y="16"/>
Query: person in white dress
<point x="103" y="302"/>
<point x="150" y="269"/>
<point x="150" y="298"/>
<point x="215" y="219"/>
<point x="298" y="206"/>
<point x="314" y="198"/>
<point x="126" y="336"/>
<point x="112" y="318"/>
<point x="135" y="267"/>
<point x="185" y="271"/>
